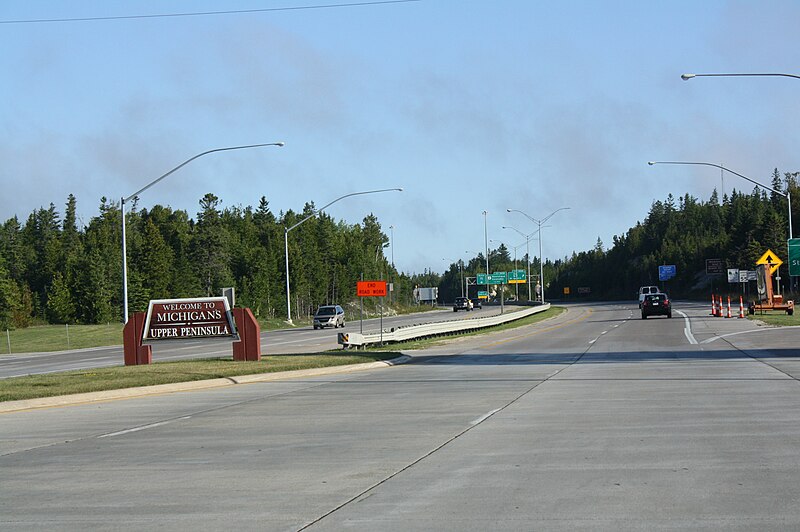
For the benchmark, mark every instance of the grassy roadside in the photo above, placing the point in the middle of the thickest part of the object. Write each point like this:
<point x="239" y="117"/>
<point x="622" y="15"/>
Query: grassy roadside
<point x="778" y="319"/>
<point x="115" y="378"/>
<point x="48" y="338"/>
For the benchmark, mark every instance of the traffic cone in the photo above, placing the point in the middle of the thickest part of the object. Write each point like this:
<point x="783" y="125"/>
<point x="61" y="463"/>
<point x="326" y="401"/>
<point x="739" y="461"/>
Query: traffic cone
<point x="719" y="312"/>
<point x="713" y="305"/>
<point x="741" y="307"/>
<point x="729" y="307"/>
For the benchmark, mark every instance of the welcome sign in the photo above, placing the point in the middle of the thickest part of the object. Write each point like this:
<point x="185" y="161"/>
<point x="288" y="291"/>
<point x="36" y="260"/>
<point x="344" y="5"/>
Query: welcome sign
<point x="204" y="317"/>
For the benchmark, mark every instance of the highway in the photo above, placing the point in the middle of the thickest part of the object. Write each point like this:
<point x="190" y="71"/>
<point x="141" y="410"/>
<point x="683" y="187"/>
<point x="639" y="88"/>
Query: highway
<point x="593" y="420"/>
<point x="275" y="342"/>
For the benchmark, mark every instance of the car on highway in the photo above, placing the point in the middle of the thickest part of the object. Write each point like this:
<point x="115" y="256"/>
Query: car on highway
<point x="462" y="303"/>
<point x="644" y="290"/>
<point x="656" y="305"/>
<point x="329" y="316"/>
<point x="477" y="303"/>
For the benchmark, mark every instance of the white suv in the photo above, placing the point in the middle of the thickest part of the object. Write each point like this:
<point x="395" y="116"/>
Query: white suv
<point x="644" y="290"/>
<point x="329" y="316"/>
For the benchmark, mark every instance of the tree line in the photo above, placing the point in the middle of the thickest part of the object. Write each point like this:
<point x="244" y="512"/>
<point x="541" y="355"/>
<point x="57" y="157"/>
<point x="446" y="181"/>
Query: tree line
<point x="738" y="229"/>
<point x="53" y="271"/>
<point x="684" y="232"/>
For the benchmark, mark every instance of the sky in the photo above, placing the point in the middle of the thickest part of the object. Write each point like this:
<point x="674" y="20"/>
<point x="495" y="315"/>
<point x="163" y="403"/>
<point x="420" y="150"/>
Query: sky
<point x="469" y="106"/>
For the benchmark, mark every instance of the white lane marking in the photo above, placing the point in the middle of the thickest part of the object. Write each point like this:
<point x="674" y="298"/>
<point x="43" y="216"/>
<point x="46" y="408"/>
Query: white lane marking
<point x="761" y="329"/>
<point x="137" y="429"/>
<point x="687" y="329"/>
<point x="593" y="341"/>
<point x="602" y="333"/>
<point x="484" y="417"/>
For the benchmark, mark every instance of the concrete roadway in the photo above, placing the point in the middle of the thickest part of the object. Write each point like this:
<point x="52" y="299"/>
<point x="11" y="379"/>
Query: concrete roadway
<point x="275" y="342"/>
<point x="592" y="420"/>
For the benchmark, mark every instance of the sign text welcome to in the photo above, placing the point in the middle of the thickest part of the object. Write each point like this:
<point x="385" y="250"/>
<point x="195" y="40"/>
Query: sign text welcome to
<point x="204" y="317"/>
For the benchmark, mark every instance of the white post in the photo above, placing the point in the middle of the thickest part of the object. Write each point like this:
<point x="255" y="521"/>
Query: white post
<point x="541" y="263"/>
<point x="528" y="260"/>
<point x="67" y="324"/>
<point x="288" y="297"/>
<point x="124" y="267"/>
<point x="8" y="337"/>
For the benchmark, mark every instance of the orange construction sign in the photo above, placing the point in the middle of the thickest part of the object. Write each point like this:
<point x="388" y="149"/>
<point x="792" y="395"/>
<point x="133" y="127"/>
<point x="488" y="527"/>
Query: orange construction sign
<point x="371" y="288"/>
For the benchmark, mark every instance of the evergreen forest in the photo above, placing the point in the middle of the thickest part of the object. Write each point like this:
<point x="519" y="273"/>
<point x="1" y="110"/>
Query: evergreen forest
<point x="55" y="270"/>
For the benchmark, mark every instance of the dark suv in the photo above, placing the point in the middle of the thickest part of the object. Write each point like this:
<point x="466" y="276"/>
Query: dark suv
<point x="462" y="303"/>
<point x="656" y="305"/>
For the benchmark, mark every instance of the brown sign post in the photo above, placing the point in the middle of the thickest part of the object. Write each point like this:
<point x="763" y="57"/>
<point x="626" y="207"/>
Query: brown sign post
<point x="206" y="317"/>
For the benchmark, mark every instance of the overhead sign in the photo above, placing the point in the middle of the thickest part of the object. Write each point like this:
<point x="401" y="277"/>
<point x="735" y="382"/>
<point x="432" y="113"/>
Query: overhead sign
<point x="794" y="256"/>
<point x="371" y="288"/>
<point x="666" y="272"/>
<point x="202" y="317"/>
<point x="517" y="277"/>
<point x="498" y="278"/>
<point x="492" y="278"/>
<point x="770" y="259"/>
<point x="714" y="267"/>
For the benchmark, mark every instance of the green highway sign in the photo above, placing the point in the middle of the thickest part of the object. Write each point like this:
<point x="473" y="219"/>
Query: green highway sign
<point x="794" y="256"/>
<point x="493" y="278"/>
<point x="516" y="276"/>
<point x="497" y="278"/>
<point x="483" y="294"/>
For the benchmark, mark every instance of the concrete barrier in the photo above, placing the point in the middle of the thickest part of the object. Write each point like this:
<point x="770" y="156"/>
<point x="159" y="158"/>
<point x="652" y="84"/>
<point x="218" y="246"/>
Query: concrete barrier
<point x="413" y="332"/>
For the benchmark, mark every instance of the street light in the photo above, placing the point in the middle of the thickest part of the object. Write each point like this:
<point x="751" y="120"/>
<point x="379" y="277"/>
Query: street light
<point x="317" y="211"/>
<point x="391" y="239"/>
<point x="486" y="245"/>
<point x="135" y="194"/>
<point x="687" y="77"/>
<point x="527" y="253"/>
<point x="787" y="195"/>
<point x="539" y="223"/>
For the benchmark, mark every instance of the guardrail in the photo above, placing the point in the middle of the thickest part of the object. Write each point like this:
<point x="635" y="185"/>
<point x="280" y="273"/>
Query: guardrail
<point x="413" y="332"/>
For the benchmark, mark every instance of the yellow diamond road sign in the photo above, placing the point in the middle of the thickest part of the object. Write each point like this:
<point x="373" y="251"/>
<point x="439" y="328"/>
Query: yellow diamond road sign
<point x="770" y="258"/>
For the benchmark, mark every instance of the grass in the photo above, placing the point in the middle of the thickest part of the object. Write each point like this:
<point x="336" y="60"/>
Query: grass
<point x="41" y="338"/>
<point x="46" y="338"/>
<point x="432" y="342"/>
<point x="115" y="378"/>
<point x="779" y="319"/>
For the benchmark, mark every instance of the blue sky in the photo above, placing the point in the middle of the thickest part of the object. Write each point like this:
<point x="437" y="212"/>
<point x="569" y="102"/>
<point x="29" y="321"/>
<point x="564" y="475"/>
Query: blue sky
<point x="467" y="105"/>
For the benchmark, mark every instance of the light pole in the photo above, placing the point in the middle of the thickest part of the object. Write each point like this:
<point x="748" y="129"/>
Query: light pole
<point x="787" y="195"/>
<point x="486" y="245"/>
<point x="317" y="211"/>
<point x="135" y="194"/>
<point x="391" y="239"/>
<point x="539" y="223"/>
<point x="527" y="253"/>
<point x="687" y="77"/>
